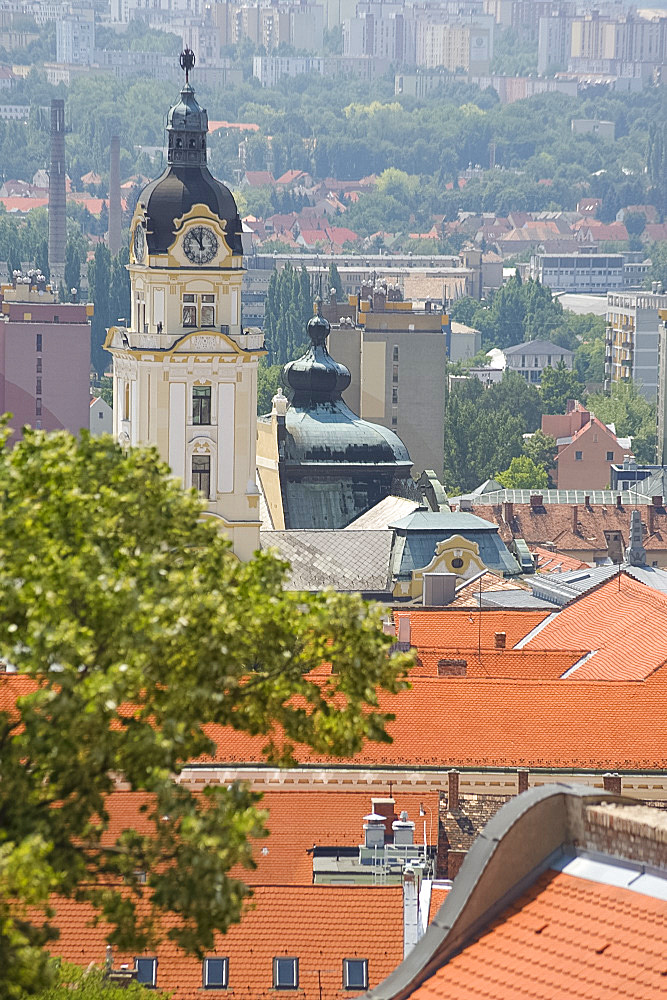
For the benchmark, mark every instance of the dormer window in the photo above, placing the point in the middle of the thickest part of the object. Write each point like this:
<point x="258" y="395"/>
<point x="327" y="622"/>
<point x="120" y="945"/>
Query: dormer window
<point x="215" y="973"/>
<point x="355" y="973"/>
<point x="146" y="971"/>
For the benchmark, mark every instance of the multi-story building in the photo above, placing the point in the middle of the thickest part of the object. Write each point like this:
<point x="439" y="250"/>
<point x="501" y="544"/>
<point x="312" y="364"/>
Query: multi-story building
<point x="662" y="387"/>
<point x="531" y="358"/>
<point x="75" y="39"/>
<point x="454" y="46"/>
<point x="579" y="272"/>
<point x="383" y="30"/>
<point x="44" y="358"/>
<point x="632" y="339"/>
<point x="397" y="358"/>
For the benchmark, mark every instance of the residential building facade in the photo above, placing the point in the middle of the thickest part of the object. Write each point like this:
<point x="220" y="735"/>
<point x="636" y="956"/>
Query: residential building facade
<point x="531" y="358"/>
<point x="579" y="272"/>
<point x="632" y="339"/>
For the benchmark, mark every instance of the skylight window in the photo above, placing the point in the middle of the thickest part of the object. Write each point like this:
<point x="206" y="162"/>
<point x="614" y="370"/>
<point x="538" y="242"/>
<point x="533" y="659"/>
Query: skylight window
<point x="146" y="971"/>
<point x="215" y="973"/>
<point x="285" y="973"/>
<point x="355" y="973"/>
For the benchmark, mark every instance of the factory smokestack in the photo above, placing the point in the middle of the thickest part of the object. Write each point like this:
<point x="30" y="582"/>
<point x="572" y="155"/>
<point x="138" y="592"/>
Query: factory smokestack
<point x="114" y="196"/>
<point x="57" y="197"/>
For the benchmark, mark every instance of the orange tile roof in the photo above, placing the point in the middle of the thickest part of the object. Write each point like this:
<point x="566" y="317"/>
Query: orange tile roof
<point x="320" y="925"/>
<point x="469" y="722"/>
<point x="553" y="561"/>
<point x="438" y="896"/>
<point x="542" y="664"/>
<point x="622" y="620"/>
<point x="564" y="937"/>
<point x="457" y="628"/>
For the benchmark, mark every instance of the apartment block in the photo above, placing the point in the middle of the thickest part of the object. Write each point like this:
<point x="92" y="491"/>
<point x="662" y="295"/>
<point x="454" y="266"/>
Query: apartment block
<point x="662" y="387"/>
<point x="467" y="47"/>
<point x="397" y="358"/>
<point x="573" y="272"/>
<point x="632" y="339"/>
<point x="44" y="358"/>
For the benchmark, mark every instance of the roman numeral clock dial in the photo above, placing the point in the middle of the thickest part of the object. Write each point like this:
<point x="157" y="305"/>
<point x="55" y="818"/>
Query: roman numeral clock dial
<point x="200" y="245"/>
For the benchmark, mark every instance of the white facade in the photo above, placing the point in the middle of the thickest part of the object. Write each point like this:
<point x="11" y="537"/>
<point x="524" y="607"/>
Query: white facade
<point x="75" y="40"/>
<point x="101" y="417"/>
<point x="594" y="273"/>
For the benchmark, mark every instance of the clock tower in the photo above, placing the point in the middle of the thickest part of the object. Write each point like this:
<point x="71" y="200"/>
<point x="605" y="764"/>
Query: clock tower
<point x="184" y="370"/>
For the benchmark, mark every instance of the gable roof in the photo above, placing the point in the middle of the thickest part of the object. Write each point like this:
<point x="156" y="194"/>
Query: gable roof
<point x="594" y="941"/>
<point x="618" y="616"/>
<point x="458" y="628"/>
<point x="319" y="925"/>
<point x="538" y="347"/>
<point x="347" y="561"/>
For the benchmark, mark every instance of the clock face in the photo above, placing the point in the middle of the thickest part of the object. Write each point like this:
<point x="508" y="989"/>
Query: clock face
<point x="200" y="244"/>
<point x="139" y="243"/>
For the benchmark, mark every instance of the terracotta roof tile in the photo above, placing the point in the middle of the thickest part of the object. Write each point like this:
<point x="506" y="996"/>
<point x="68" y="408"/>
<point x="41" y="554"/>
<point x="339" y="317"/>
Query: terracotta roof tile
<point x="321" y="925"/>
<point x="553" y="561"/>
<point x="543" y="664"/>
<point x="564" y="937"/>
<point x="622" y="620"/>
<point x="453" y="628"/>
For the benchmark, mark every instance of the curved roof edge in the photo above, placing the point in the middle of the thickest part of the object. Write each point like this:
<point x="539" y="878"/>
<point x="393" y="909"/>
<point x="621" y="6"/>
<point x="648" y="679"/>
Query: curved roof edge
<point x="513" y="849"/>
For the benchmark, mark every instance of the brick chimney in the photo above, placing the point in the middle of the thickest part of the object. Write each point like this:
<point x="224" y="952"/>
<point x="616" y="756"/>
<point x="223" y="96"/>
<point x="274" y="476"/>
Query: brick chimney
<point x="656" y="502"/>
<point x="522" y="779"/>
<point x="536" y="502"/>
<point x="612" y="782"/>
<point x="453" y="797"/>
<point x="587" y="502"/>
<point x="385" y="807"/>
<point x="508" y="512"/>
<point x="500" y="640"/>
<point x="619" y="502"/>
<point x="575" y="518"/>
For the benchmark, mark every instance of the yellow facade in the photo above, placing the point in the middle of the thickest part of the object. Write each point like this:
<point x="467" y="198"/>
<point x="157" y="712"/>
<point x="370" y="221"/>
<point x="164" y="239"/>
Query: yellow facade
<point x="185" y="373"/>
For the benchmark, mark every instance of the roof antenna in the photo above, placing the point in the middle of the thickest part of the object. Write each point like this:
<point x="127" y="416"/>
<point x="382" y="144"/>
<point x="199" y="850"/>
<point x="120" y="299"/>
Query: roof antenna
<point x="187" y="61"/>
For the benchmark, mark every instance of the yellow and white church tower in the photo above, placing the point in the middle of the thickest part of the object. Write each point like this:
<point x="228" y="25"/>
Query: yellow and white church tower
<point x="184" y="370"/>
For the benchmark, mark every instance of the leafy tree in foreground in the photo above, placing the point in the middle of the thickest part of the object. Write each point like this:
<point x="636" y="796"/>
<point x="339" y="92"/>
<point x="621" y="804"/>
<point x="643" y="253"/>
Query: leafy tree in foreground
<point x="72" y="983"/>
<point x="523" y="474"/>
<point x="558" y="385"/>
<point x="541" y="449"/>
<point x="139" y="628"/>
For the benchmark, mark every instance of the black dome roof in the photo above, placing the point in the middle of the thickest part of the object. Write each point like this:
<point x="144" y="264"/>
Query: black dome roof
<point x="187" y="181"/>
<point x="175" y="192"/>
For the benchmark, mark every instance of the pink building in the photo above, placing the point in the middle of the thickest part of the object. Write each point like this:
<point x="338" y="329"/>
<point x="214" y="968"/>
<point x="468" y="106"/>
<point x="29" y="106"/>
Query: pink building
<point x="44" y="358"/>
<point x="586" y="448"/>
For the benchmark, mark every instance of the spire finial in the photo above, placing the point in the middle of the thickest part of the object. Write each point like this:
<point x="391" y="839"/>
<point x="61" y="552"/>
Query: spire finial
<point x="187" y="61"/>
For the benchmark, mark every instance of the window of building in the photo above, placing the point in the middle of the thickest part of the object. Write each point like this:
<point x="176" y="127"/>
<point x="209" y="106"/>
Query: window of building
<point x="549" y="360"/>
<point x="100" y="415"/>
<point x="610" y="456"/>
<point x="285" y="973"/>
<point x="578" y="455"/>
<point x="394" y="395"/>
<point x="394" y="421"/>
<point x="146" y="971"/>
<point x="395" y="354"/>
<point x="201" y="473"/>
<point x="215" y="973"/>
<point x="189" y="310"/>
<point x="38" y="387"/>
<point x="536" y="362"/>
<point x="355" y="973"/>
<point x="201" y="404"/>
<point x="395" y="374"/>
<point x="208" y="310"/>
<point x="38" y="342"/>
<point x="38" y="407"/>
<point x="39" y="364"/>
<point x="534" y="376"/>
<point x="523" y="360"/>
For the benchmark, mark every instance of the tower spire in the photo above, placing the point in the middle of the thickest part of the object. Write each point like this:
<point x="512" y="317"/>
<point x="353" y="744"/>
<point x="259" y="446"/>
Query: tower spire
<point x="187" y="61"/>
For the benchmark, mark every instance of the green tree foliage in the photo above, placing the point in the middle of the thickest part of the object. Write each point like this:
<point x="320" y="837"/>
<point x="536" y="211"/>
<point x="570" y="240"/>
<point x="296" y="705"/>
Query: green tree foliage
<point x="287" y="309"/>
<point x="109" y="290"/>
<point x="333" y="281"/>
<point x="523" y="474"/>
<point x="72" y="270"/>
<point x="632" y="416"/>
<point x="516" y="312"/>
<point x="141" y="630"/>
<point x="268" y="381"/>
<point x="558" y="385"/>
<point x="658" y="269"/>
<point x="541" y="449"/>
<point x="72" y="983"/>
<point x="484" y="428"/>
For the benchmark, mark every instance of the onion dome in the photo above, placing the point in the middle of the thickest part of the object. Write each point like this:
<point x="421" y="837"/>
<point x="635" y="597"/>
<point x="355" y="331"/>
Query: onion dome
<point x="187" y="181"/>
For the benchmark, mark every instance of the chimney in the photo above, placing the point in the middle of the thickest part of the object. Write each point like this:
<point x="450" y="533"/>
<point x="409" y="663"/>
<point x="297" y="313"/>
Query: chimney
<point x="575" y="518"/>
<point x="657" y="502"/>
<point x="57" y="194"/>
<point x="500" y="640"/>
<point x="438" y="589"/>
<point x="114" y="196"/>
<point x="536" y="501"/>
<point x="619" y="502"/>
<point x="404" y="831"/>
<point x="522" y="779"/>
<point x="374" y="830"/>
<point x="452" y="668"/>
<point x="587" y="502"/>
<point x="404" y="629"/>
<point x="508" y="512"/>
<point x="385" y="809"/>
<point x="612" y="782"/>
<point x="453" y="797"/>
<point x="412" y="929"/>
